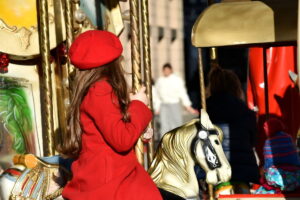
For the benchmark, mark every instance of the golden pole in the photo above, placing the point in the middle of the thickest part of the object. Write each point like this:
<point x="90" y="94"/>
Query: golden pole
<point x="147" y="68"/>
<point x="68" y="70"/>
<point x="203" y="105"/>
<point x="201" y="77"/>
<point x="46" y="78"/>
<point x="214" y="63"/>
<point x="136" y="64"/>
<point x="61" y="74"/>
<point x="70" y="37"/>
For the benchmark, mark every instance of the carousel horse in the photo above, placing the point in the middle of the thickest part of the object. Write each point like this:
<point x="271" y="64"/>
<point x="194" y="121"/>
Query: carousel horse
<point x="197" y="142"/>
<point x="34" y="178"/>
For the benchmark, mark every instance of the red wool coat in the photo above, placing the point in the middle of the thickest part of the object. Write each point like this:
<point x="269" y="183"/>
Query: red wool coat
<point x="107" y="168"/>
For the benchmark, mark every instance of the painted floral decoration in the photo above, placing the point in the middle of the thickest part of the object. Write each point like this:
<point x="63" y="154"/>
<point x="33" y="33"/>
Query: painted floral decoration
<point x="4" y="61"/>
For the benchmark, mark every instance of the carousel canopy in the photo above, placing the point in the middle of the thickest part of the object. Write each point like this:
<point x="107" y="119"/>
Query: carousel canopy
<point x="247" y="22"/>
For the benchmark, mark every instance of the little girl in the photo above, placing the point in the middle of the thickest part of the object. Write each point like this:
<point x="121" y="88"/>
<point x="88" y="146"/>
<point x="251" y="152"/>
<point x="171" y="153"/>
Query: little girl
<point x="104" y="125"/>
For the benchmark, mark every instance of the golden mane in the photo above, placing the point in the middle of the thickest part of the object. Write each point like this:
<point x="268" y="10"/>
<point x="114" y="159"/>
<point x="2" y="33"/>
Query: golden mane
<point x="172" y="153"/>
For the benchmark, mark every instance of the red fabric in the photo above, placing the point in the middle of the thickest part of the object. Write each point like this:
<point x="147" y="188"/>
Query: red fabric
<point x="94" y="48"/>
<point x="284" y="99"/>
<point x="107" y="167"/>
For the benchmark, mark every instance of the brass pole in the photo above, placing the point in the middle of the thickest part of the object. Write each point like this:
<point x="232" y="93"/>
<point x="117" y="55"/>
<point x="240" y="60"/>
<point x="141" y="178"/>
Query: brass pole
<point x="62" y="94"/>
<point x="47" y="108"/>
<point x="212" y="50"/>
<point x="201" y="77"/>
<point x="211" y="192"/>
<point x="147" y="68"/>
<point x="203" y="105"/>
<point x="69" y="35"/>
<point x="61" y="74"/>
<point x="214" y="63"/>
<point x="136" y="64"/>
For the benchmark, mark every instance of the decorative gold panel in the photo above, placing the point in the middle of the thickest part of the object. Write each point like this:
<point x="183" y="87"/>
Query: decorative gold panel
<point x="247" y="22"/>
<point x="19" y="31"/>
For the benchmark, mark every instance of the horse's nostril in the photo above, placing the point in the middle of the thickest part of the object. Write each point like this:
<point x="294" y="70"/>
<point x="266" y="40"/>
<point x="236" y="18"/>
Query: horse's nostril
<point x="217" y="142"/>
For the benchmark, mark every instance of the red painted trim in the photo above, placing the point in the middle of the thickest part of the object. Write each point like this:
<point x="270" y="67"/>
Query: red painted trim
<point x="32" y="189"/>
<point x="24" y="183"/>
<point x="13" y="172"/>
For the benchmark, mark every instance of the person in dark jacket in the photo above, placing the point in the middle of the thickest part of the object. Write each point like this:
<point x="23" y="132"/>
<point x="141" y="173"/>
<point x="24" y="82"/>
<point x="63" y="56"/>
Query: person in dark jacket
<point x="227" y="109"/>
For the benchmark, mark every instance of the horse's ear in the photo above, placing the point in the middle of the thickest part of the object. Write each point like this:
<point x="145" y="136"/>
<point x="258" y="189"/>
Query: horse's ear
<point x="205" y="121"/>
<point x="220" y="133"/>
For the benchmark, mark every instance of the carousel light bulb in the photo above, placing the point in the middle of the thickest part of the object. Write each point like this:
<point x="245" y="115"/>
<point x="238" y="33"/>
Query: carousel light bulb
<point x="202" y="134"/>
<point x="79" y="16"/>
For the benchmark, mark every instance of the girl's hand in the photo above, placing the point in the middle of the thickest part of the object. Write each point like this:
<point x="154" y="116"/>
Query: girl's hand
<point x="148" y="134"/>
<point x="140" y="96"/>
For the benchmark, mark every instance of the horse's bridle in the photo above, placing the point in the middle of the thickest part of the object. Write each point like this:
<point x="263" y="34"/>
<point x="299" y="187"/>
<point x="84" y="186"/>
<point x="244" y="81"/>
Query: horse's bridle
<point x="208" y="149"/>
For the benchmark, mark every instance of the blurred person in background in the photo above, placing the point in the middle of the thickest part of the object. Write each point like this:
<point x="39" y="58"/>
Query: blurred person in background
<point x="171" y="93"/>
<point x="227" y="109"/>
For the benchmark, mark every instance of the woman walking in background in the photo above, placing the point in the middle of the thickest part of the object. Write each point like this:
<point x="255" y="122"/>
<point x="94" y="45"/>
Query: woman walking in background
<point x="172" y="95"/>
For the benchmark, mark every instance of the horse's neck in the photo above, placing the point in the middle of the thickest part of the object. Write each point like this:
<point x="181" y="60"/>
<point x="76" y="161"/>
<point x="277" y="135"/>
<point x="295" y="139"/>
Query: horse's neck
<point x="172" y="183"/>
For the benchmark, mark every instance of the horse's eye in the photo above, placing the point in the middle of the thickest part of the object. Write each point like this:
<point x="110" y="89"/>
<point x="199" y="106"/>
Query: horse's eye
<point x="217" y="142"/>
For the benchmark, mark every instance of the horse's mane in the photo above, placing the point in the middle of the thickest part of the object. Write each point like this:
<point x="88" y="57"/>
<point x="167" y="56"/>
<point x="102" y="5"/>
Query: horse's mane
<point x="172" y="153"/>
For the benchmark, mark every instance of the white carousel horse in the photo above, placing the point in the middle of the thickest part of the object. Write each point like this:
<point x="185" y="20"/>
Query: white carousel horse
<point x="197" y="142"/>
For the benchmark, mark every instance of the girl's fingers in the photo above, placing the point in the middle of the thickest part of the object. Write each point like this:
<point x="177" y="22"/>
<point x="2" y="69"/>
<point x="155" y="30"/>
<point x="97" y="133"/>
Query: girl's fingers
<point x="148" y="133"/>
<point x="142" y="90"/>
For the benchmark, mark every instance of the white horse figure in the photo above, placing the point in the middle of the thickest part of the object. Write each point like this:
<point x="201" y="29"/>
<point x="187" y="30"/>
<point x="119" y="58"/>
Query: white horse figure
<point x="197" y="142"/>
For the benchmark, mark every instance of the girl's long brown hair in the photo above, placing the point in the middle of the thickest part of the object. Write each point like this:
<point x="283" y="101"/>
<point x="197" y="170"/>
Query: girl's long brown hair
<point x="71" y="144"/>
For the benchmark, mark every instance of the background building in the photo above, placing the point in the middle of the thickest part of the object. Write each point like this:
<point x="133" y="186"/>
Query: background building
<point x="166" y="35"/>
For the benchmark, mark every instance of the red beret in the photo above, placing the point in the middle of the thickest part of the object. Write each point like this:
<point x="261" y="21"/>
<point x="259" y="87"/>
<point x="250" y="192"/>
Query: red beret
<point x="94" y="48"/>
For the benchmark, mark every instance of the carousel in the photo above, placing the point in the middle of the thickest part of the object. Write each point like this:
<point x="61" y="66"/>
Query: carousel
<point x="36" y="79"/>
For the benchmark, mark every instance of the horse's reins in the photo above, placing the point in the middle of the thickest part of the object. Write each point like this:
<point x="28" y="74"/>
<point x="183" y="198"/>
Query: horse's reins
<point x="203" y="136"/>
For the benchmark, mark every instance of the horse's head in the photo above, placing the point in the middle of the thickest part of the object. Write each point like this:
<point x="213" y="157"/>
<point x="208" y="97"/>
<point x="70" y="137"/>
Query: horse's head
<point x="208" y="152"/>
<point x="197" y="142"/>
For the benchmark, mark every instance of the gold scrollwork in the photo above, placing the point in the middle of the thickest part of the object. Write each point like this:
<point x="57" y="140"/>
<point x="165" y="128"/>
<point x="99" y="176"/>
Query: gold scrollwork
<point x="4" y="26"/>
<point x="24" y="36"/>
